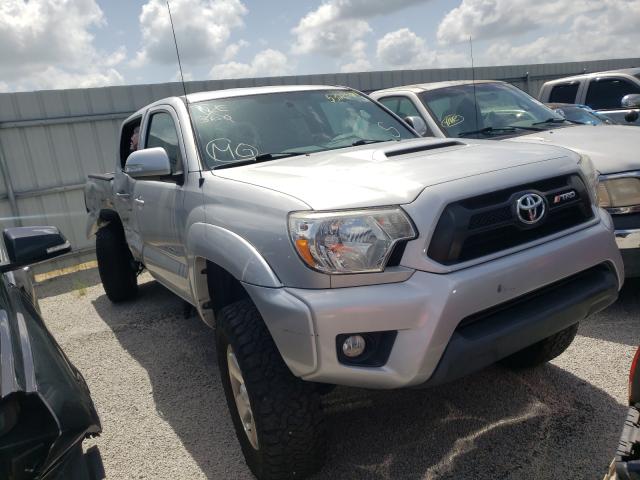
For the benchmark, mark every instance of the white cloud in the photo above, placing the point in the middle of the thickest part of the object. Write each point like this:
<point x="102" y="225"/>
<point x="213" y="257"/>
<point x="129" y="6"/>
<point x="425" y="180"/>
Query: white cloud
<point x="55" y="78"/>
<point x="48" y="44"/>
<point x="358" y="65"/>
<point x="203" y="29"/>
<point x="233" y="49"/>
<point x="337" y="28"/>
<point x="525" y="31"/>
<point x="581" y="31"/>
<point x="485" y="19"/>
<point x="404" y="49"/>
<point x="265" y="64"/>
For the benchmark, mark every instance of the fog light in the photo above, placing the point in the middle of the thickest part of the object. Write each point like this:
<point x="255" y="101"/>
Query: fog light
<point x="353" y="346"/>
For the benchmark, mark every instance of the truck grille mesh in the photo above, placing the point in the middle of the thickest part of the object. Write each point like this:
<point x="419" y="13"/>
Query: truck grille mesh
<point x="486" y="224"/>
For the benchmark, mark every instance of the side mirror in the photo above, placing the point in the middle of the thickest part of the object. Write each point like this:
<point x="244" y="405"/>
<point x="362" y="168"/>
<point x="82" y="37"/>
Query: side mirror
<point x="632" y="116"/>
<point x="417" y="123"/>
<point x="631" y="101"/>
<point x="27" y="245"/>
<point x="150" y="162"/>
<point x="560" y="112"/>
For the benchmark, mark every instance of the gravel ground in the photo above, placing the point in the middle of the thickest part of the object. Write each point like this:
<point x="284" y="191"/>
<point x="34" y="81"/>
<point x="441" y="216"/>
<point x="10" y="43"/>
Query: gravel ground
<point x="154" y="379"/>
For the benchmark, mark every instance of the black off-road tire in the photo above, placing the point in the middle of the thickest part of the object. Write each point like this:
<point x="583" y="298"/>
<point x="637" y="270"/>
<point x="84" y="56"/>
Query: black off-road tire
<point x="116" y="264"/>
<point x="543" y="351"/>
<point x="286" y="410"/>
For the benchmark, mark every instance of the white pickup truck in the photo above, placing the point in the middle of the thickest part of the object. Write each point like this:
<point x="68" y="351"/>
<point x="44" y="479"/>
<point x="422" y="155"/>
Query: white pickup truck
<point x="615" y="93"/>
<point x="327" y="243"/>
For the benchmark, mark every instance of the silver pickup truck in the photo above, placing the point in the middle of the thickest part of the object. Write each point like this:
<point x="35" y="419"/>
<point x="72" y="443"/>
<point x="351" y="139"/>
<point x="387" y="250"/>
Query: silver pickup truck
<point x="327" y="243"/>
<point x="615" y="93"/>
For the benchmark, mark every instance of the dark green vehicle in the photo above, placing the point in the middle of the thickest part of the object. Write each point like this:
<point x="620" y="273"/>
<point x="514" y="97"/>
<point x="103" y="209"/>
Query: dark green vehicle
<point x="46" y="410"/>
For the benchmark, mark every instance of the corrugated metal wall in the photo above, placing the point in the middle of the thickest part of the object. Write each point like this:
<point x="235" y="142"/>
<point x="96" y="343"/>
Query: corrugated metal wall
<point x="51" y="140"/>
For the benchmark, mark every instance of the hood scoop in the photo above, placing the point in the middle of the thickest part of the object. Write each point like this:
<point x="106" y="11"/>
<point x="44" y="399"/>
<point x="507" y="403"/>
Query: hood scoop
<point x="406" y="150"/>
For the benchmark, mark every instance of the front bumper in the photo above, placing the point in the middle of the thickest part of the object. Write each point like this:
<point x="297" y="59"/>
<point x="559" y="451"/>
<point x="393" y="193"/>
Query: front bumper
<point x="627" y="230"/>
<point x="427" y="309"/>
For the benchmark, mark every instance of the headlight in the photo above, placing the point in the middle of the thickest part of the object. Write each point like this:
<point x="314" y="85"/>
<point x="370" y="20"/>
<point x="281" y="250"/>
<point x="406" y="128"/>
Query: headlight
<point x="619" y="192"/>
<point x="355" y="241"/>
<point x="592" y="176"/>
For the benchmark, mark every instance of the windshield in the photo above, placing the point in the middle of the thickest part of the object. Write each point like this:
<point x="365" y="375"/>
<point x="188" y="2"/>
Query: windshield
<point x="502" y="109"/>
<point x="238" y="129"/>
<point x="582" y="115"/>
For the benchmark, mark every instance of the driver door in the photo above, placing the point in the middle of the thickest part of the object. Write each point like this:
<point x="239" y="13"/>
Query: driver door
<point x="158" y="204"/>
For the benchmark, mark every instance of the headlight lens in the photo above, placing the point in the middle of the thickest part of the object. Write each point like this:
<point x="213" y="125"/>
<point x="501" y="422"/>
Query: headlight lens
<point x="619" y="192"/>
<point x="355" y="241"/>
<point x="592" y="176"/>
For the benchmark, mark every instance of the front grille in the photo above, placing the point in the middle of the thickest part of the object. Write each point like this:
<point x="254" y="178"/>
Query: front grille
<point x="486" y="224"/>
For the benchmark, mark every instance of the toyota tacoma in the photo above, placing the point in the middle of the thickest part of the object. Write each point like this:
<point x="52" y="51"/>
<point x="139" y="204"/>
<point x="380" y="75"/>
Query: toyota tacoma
<point x="326" y="243"/>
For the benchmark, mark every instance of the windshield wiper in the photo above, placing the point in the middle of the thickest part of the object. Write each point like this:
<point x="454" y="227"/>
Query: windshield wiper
<point x="551" y="120"/>
<point x="365" y="141"/>
<point x="263" y="157"/>
<point x="487" y="130"/>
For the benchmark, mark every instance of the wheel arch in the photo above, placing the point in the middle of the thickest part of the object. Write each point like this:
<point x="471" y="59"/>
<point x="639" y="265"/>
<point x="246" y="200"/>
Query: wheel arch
<point x="221" y="260"/>
<point x="104" y="217"/>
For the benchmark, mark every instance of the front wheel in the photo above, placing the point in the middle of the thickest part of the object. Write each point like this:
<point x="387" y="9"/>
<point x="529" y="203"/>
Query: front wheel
<point x="277" y="416"/>
<point x="543" y="351"/>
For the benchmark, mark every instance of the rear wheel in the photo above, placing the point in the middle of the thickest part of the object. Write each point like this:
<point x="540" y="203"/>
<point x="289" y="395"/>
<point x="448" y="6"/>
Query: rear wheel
<point x="543" y="351"/>
<point x="116" y="265"/>
<point x="277" y="416"/>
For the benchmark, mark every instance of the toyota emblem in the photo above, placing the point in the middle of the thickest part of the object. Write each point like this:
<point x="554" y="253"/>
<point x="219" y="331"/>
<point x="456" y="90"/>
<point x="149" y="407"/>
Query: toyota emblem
<point x="530" y="208"/>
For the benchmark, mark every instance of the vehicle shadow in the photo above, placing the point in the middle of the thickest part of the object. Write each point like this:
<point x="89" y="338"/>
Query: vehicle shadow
<point x="541" y="423"/>
<point x="620" y="323"/>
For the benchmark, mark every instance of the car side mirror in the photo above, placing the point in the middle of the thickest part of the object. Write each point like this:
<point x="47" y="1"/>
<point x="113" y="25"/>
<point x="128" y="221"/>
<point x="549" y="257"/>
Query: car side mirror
<point x="417" y="123"/>
<point x="560" y="112"/>
<point x="631" y="101"/>
<point x="150" y="162"/>
<point x="632" y="116"/>
<point x="27" y="245"/>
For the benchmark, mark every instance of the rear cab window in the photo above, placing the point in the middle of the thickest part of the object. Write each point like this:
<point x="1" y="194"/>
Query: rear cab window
<point x="564" y="93"/>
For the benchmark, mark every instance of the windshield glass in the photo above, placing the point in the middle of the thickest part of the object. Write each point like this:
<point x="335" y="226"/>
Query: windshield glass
<point x="237" y="129"/>
<point x="502" y="109"/>
<point x="582" y="115"/>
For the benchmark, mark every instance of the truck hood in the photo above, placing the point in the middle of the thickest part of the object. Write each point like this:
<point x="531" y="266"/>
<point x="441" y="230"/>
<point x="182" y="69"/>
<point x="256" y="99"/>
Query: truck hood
<point x="613" y="148"/>
<point x="387" y="174"/>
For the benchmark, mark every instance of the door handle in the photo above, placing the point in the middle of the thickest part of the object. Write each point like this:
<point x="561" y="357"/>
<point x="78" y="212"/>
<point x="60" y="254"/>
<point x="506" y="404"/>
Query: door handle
<point x="139" y="201"/>
<point x="122" y="195"/>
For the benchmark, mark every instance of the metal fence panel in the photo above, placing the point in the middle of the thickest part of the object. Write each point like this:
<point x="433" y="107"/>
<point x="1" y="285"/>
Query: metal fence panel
<point x="51" y="140"/>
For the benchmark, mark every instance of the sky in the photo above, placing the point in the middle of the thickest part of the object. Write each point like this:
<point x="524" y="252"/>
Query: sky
<point x="54" y="44"/>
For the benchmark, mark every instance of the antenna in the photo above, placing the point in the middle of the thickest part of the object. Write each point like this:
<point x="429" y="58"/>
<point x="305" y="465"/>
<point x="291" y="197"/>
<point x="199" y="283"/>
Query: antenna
<point x="473" y="82"/>
<point x="184" y="87"/>
<point x="175" y="42"/>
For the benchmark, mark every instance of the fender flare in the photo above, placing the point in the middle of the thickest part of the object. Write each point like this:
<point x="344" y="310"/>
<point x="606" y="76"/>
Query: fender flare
<point x="231" y="252"/>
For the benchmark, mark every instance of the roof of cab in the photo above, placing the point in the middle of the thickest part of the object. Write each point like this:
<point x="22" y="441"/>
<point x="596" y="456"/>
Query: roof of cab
<point x="233" y="92"/>
<point x="626" y="71"/>
<point x="423" y="87"/>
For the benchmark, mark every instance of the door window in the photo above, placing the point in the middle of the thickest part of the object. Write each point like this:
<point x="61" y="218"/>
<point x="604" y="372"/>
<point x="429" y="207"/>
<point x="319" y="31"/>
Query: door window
<point x="608" y="92"/>
<point x="163" y="133"/>
<point x="564" y="93"/>
<point x="403" y="107"/>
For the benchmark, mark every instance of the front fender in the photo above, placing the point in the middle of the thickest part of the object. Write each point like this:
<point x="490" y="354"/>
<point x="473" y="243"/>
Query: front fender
<point x="231" y="252"/>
